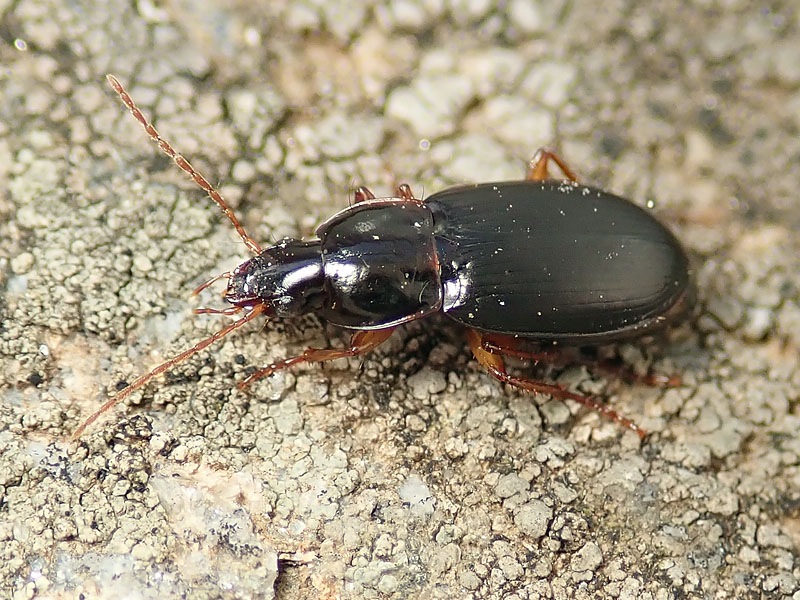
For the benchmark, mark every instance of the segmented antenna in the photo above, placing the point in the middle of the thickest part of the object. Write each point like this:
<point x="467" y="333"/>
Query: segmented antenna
<point x="184" y="165"/>
<point x="143" y="379"/>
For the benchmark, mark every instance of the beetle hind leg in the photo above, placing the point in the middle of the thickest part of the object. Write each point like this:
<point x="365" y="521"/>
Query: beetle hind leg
<point x="537" y="168"/>
<point x="360" y="343"/>
<point x="493" y="362"/>
<point x="505" y="345"/>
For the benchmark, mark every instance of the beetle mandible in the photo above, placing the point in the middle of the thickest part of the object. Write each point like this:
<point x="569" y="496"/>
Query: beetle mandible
<point x="539" y="260"/>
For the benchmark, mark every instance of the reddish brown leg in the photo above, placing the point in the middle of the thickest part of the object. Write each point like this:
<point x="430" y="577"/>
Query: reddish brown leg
<point x="537" y="168"/>
<point x="182" y="163"/>
<point x="165" y="366"/>
<point x="495" y="365"/>
<point x="360" y="342"/>
<point x="361" y="194"/>
<point x="404" y="192"/>
<point x="509" y="346"/>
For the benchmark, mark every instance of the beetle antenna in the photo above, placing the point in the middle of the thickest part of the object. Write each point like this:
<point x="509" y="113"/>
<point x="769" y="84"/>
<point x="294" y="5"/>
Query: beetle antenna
<point x="165" y="366"/>
<point x="210" y="282"/>
<point x="182" y="163"/>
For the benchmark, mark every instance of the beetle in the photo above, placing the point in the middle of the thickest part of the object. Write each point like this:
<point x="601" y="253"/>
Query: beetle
<point x="547" y="261"/>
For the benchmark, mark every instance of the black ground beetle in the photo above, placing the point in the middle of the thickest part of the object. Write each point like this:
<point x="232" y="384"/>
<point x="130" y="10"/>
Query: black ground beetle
<point x="539" y="260"/>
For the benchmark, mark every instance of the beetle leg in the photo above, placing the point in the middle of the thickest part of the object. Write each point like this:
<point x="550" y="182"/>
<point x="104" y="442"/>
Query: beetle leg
<point x="361" y="194"/>
<point x="360" y="343"/>
<point x="404" y="192"/>
<point x="509" y="346"/>
<point x="495" y="365"/>
<point x="537" y="168"/>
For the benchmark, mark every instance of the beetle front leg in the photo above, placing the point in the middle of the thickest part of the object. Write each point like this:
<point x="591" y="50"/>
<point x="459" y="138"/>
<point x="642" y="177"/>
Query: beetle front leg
<point x="360" y="343"/>
<point x="493" y="362"/>
<point x="537" y="168"/>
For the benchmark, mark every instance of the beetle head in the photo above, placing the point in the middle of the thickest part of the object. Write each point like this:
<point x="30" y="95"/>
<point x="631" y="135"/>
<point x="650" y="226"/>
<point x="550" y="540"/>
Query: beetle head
<point x="287" y="278"/>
